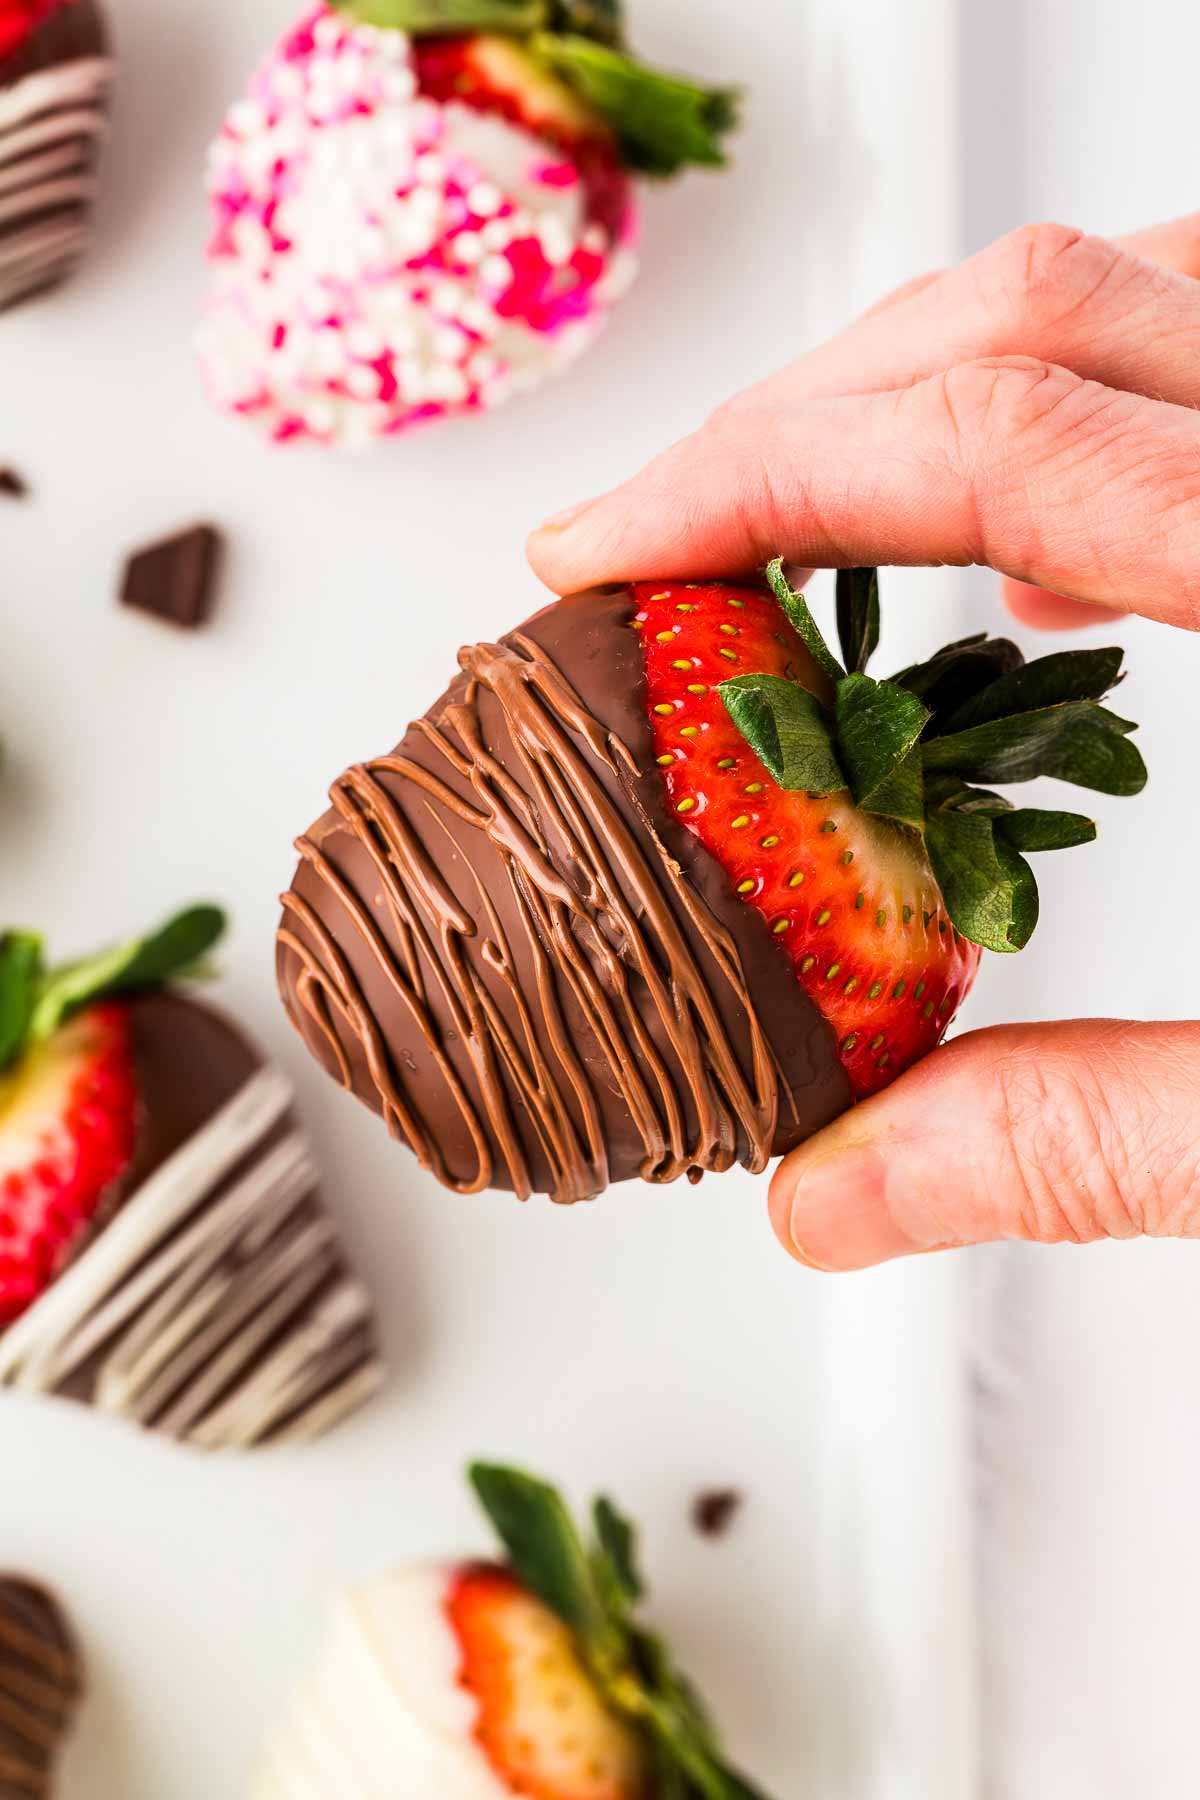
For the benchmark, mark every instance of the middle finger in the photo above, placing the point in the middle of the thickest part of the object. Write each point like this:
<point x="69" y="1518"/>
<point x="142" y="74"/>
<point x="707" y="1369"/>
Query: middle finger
<point x="1080" y="302"/>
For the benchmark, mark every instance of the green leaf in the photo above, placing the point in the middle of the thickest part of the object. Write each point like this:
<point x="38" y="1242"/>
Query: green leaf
<point x="988" y="888"/>
<point x="901" y="797"/>
<point x="1032" y="828"/>
<point x="959" y="671"/>
<point x="858" y="616"/>
<point x="618" y="1542"/>
<point x="1049" y="681"/>
<point x="797" y="609"/>
<point x="679" y="1739"/>
<point x="546" y="1550"/>
<point x="1078" y="742"/>
<point x="421" y="17"/>
<point x="878" y="724"/>
<point x="787" y="728"/>
<point x="662" y="122"/>
<point x="597" y="19"/>
<point x="592" y="1590"/>
<point x="20" y="972"/>
<point x="173" y="951"/>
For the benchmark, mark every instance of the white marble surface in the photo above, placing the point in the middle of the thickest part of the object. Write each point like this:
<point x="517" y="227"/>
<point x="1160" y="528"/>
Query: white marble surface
<point x="655" y="1342"/>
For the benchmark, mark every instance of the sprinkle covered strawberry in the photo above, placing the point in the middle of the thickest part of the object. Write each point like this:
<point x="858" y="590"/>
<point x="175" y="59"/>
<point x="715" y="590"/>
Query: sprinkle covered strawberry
<point x="411" y="220"/>
<point x="844" y="810"/>
<point x="19" y="19"/>
<point x="69" y="1102"/>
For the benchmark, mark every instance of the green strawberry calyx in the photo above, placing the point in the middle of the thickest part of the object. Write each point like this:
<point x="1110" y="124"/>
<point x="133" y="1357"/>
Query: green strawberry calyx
<point x="662" y="122"/>
<point x="36" y="998"/>
<point x="594" y="1587"/>
<point x="911" y="749"/>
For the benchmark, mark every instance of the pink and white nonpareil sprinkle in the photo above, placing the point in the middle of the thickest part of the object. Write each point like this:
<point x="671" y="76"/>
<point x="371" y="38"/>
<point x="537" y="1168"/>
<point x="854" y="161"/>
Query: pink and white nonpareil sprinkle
<point x="380" y="257"/>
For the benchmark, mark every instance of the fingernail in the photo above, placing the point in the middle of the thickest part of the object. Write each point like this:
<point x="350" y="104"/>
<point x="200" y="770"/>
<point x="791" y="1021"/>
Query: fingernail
<point x="568" y="516"/>
<point x="840" y="1214"/>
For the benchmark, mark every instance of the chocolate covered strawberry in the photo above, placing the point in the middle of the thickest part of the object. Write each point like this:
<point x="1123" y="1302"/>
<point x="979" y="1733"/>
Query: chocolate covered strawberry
<point x="842" y="808"/>
<point x="421" y="209"/>
<point x="480" y="1681"/>
<point x="164" y="1254"/>
<point x="41" y="1686"/>
<point x="55" y="83"/>
<point x="658" y="885"/>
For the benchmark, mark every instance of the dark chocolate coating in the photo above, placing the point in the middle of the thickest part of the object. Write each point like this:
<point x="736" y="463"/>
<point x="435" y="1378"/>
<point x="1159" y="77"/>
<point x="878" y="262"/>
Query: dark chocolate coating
<point x="588" y="640"/>
<point x="41" y="1682"/>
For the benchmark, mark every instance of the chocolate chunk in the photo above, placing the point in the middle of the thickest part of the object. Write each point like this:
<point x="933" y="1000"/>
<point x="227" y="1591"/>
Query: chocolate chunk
<point x="714" y="1511"/>
<point x="13" y="485"/>
<point x="175" y="579"/>
<point x="40" y="1687"/>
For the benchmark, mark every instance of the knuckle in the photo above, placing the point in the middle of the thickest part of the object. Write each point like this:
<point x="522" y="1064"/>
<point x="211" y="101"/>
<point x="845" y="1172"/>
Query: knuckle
<point x="1043" y="274"/>
<point x="998" y="398"/>
<point x="1068" y="1161"/>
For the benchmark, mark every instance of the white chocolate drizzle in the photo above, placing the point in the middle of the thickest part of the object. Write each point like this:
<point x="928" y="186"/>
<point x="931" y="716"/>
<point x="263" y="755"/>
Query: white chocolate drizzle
<point x="384" y="1713"/>
<point x="216" y="1306"/>
<point x="50" y="126"/>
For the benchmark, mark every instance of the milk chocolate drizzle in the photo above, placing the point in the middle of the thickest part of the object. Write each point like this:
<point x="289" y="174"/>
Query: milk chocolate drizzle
<point x="588" y="893"/>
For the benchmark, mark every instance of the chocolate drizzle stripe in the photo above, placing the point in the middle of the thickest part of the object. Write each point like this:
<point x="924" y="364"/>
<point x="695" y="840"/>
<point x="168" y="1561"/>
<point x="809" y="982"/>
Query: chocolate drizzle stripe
<point x="215" y="1305"/>
<point x="595" y="924"/>
<point x="50" y="125"/>
<point x="39" y="1688"/>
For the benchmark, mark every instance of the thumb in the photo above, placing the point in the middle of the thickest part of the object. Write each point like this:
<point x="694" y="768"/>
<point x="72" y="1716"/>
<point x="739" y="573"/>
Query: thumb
<point x="1056" y="1133"/>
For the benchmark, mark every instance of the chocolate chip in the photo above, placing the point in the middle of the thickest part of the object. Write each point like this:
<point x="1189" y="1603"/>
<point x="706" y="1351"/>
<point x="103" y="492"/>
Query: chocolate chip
<point x="175" y="579"/>
<point x="13" y="486"/>
<point x="713" y="1512"/>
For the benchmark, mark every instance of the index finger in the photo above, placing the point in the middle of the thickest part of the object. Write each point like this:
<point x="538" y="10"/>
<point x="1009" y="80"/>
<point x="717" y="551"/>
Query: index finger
<point x="1006" y="461"/>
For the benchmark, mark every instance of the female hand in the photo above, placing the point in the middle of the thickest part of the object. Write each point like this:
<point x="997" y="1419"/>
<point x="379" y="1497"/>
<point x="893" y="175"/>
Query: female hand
<point x="1036" y="410"/>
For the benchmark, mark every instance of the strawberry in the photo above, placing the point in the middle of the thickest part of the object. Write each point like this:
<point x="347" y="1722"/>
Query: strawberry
<point x="541" y="1722"/>
<point x="839" y="806"/>
<point x="69" y="1104"/>
<point x="494" y="75"/>
<point x="576" y="1699"/>
<point x="19" y="19"/>
<point x="409" y="222"/>
<point x="68" y="1123"/>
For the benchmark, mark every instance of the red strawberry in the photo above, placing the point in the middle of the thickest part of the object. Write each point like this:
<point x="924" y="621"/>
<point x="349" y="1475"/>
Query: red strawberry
<point x="851" y="895"/>
<point x="69" y="1091"/>
<point x="19" y="19"/>
<point x="541" y="1723"/>
<point x="68" y="1123"/>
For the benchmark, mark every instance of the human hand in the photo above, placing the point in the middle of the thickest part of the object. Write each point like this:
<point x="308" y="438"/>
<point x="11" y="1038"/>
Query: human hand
<point x="1034" y="410"/>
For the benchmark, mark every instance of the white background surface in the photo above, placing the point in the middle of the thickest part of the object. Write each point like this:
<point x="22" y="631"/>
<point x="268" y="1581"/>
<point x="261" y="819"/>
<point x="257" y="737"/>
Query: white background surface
<point x="1083" y="111"/>
<point x="656" y="1342"/>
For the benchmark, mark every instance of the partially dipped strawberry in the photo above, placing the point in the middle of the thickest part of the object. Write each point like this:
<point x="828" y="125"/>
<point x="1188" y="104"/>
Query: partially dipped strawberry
<point x="421" y="210"/>
<point x="483" y="1681"/>
<point x="843" y="809"/>
<point x="69" y="1102"/>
